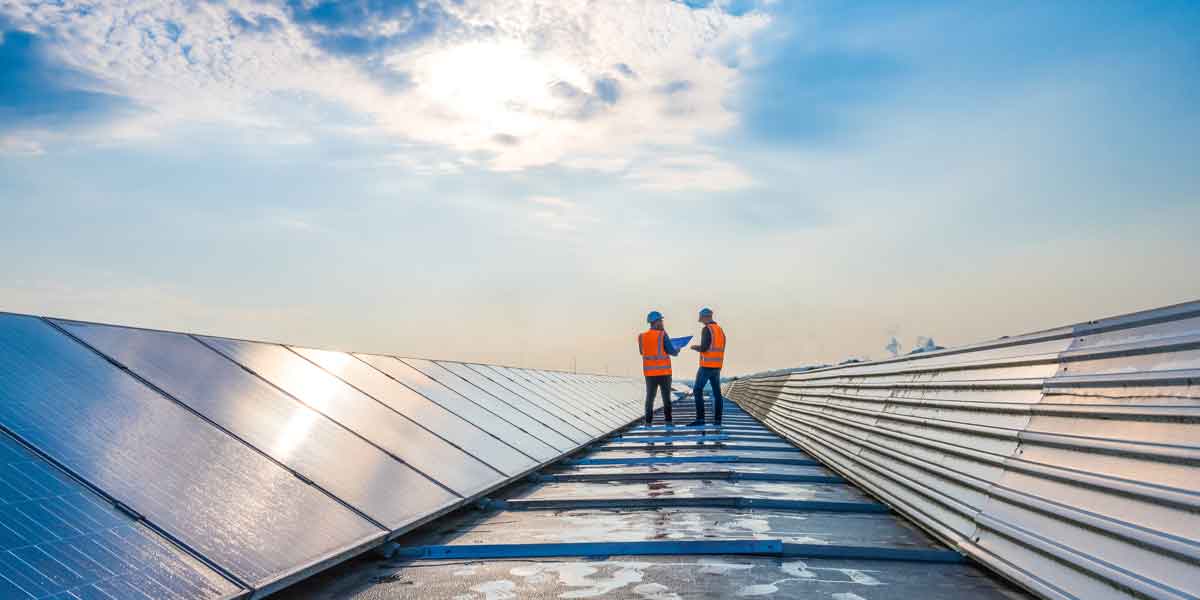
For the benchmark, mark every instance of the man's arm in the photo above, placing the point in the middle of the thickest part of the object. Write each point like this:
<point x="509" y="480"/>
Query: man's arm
<point x="668" y="345"/>
<point x="705" y="341"/>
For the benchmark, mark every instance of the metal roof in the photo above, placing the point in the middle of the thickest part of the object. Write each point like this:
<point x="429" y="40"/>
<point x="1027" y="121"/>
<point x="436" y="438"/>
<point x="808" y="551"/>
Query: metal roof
<point x="685" y="512"/>
<point x="1067" y="460"/>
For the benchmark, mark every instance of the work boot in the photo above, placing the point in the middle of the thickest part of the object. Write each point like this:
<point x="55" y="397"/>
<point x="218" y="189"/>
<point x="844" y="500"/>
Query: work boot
<point x="696" y="423"/>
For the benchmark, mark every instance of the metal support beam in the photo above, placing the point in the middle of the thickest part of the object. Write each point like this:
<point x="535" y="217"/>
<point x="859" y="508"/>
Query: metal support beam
<point x="667" y="460"/>
<point x="673" y="548"/>
<point x="709" y="446"/>
<point x="664" y="439"/>
<point x="717" y="502"/>
<point x="712" y="475"/>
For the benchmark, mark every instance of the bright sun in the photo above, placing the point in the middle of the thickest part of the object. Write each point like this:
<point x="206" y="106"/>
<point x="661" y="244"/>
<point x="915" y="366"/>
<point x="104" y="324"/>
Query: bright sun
<point x="499" y="87"/>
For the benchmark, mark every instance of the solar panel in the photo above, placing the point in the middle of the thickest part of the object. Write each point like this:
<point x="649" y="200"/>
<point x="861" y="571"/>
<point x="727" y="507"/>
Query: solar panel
<point x="627" y="391"/>
<point x="340" y="462"/>
<point x="581" y="411"/>
<point x="534" y="411"/>
<point x="213" y="493"/>
<point x="549" y="437"/>
<point x="553" y="405"/>
<point x="593" y="397"/>
<point x="601" y="410"/>
<point x="598" y="412"/>
<point x="535" y="390"/>
<point x="462" y="470"/>
<point x="60" y="540"/>
<point x="419" y="495"/>
<point x="491" y="423"/>
<point x="621" y="408"/>
<point x="626" y="394"/>
<point x="375" y="421"/>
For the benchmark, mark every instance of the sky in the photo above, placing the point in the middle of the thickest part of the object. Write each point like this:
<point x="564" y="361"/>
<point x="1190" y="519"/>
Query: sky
<point x="521" y="181"/>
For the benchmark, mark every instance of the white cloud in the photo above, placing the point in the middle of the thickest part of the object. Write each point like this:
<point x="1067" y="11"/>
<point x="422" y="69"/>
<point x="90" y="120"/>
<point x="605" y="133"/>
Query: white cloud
<point x="690" y="172"/>
<point x="522" y="83"/>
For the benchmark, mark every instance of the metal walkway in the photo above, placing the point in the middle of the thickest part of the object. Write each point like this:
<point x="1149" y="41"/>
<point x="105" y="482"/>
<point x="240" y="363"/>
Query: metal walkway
<point x="658" y="514"/>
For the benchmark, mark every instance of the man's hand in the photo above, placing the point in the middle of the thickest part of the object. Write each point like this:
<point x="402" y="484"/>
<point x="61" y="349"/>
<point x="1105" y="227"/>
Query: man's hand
<point x="696" y="347"/>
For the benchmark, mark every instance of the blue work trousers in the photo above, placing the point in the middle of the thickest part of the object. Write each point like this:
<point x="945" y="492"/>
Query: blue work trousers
<point x="713" y="378"/>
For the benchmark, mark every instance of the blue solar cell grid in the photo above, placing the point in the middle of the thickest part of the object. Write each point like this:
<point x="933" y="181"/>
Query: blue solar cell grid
<point x="59" y="540"/>
<point x="211" y="492"/>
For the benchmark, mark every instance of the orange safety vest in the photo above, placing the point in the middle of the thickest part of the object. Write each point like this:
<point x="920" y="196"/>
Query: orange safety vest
<point x="715" y="357"/>
<point x="655" y="360"/>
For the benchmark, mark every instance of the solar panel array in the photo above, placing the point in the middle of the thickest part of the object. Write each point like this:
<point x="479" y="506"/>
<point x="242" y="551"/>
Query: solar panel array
<point x="147" y="464"/>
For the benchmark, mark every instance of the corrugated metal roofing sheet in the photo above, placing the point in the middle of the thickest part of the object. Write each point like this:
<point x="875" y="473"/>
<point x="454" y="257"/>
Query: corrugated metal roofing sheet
<point x="1067" y="459"/>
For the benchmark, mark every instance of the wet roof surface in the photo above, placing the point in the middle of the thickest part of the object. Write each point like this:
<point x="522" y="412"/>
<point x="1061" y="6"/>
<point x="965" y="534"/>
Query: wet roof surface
<point x="562" y="534"/>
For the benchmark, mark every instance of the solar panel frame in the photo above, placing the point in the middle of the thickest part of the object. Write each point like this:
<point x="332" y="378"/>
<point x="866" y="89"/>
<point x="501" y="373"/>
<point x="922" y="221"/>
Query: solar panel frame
<point x="510" y="458"/>
<point x="554" y="405"/>
<point x="93" y="537"/>
<point x="550" y="438"/>
<point x="471" y="403"/>
<point x="579" y="409"/>
<point x="302" y="440"/>
<point x="605" y="411"/>
<point x="610" y="410"/>
<point x="38" y="361"/>
<point x="534" y="410"/>
<point x="415" y="408"/>
<point x="535" y="392"/>
<point x="344" y="404"/>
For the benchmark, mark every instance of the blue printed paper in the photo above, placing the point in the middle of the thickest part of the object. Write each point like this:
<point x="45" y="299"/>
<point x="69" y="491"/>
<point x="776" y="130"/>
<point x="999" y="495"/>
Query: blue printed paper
<point x="680" y="343"/>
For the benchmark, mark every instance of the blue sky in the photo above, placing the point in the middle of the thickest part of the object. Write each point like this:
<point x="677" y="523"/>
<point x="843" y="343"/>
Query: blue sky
<point x="521" y="180"/>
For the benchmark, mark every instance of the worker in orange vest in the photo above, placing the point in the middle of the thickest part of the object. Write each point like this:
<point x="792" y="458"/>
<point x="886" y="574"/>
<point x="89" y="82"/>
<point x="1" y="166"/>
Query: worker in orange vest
<point x="712" y="358"/>
<point x="656" y="349"/>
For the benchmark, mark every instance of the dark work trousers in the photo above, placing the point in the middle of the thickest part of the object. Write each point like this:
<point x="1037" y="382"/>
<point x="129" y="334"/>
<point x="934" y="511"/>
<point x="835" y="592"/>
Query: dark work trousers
<point x="712" y="377"/>
<point x="654" y="383"/>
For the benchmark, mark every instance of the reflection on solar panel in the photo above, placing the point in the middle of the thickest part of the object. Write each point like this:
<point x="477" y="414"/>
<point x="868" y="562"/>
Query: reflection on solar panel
<point x="296" y="436"/>
<point x="595" y="395"/>
<point x="465" y="405"/>
<point x="512" y="441"/>
<point x="464" y="470"/>
<point x="594" y="405"/>
<point x="541" y="413"/>
<point x="551" y="403"/>
<point x="163" y="465"/>
<point x="590" y="415"/>
<point x="356" y="411"/>
<point x="546" y="436"/>
<point x="57" y="537"/>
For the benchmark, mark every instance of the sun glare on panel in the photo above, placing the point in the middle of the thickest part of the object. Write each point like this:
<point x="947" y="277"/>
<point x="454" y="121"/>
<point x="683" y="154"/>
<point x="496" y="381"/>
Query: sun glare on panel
<point x="293" y="433"/>
<point x="320" y="391"/>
